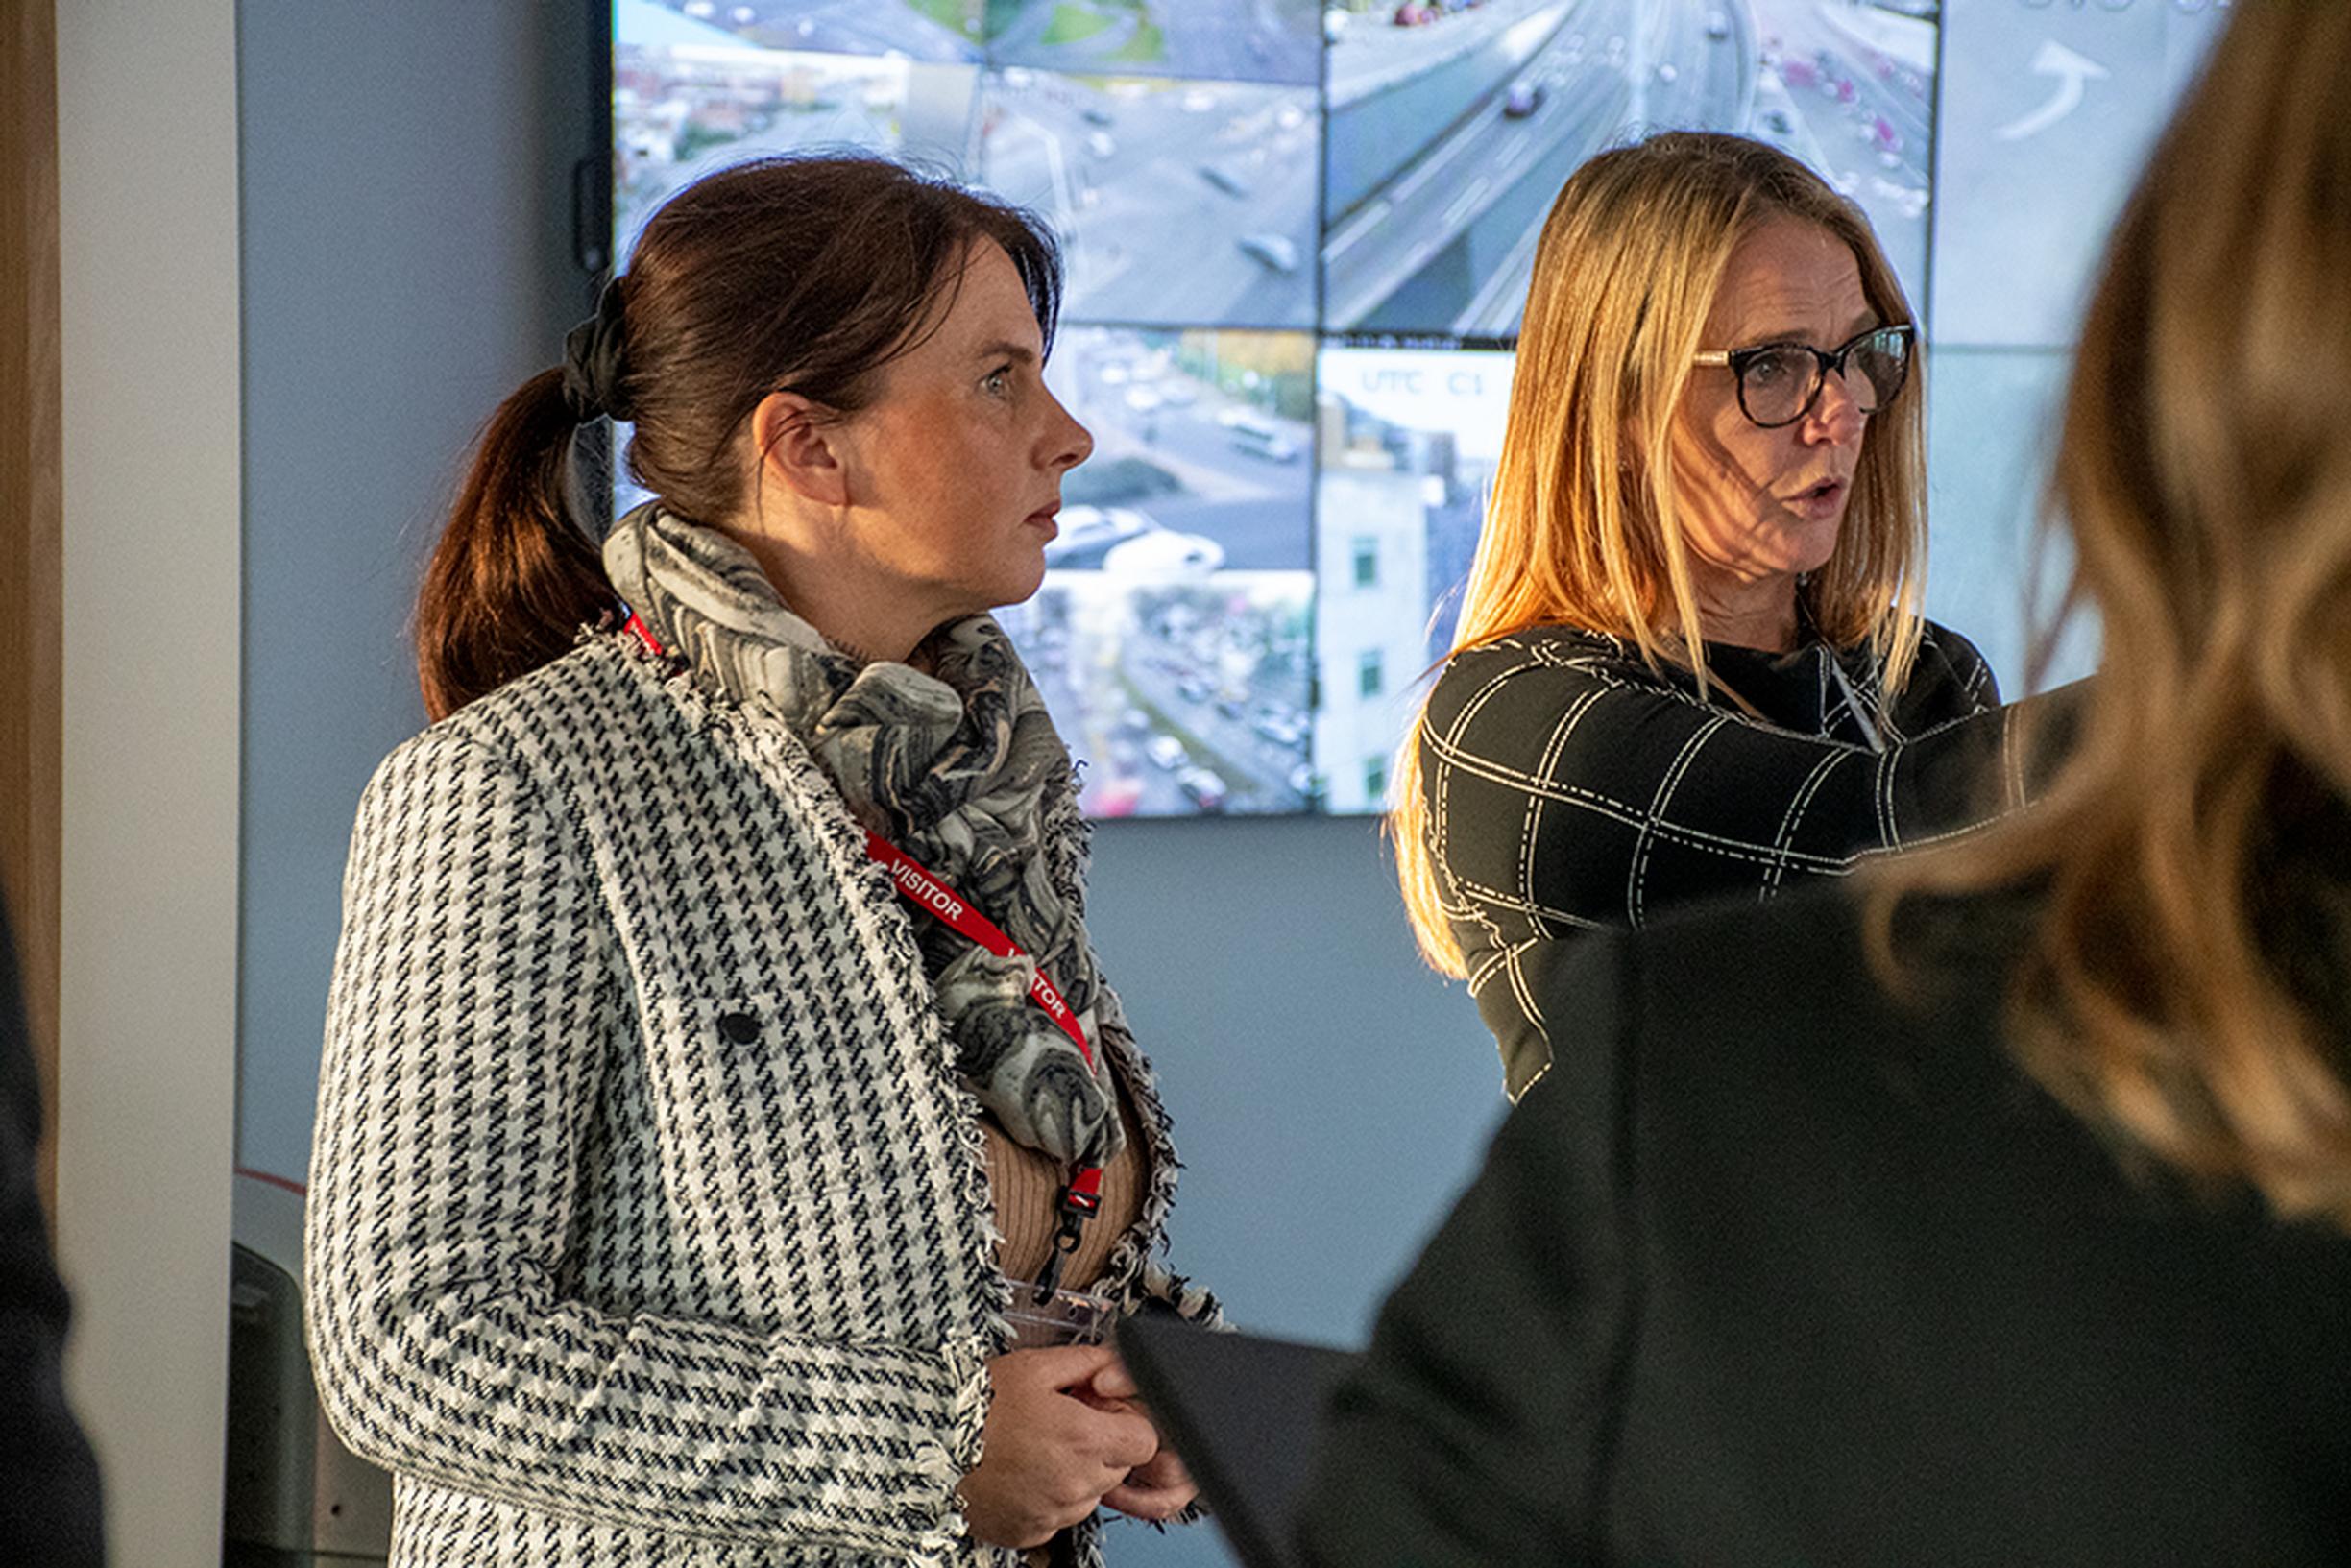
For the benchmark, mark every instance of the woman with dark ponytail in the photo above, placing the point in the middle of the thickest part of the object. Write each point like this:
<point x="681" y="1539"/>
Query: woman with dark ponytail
<point x="720" y="1088"/>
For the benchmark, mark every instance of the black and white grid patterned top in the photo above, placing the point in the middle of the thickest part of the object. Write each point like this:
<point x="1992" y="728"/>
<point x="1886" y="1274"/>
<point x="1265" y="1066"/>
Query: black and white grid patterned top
<point x="650" y="1222"/>
<point x="1571" y="786"/>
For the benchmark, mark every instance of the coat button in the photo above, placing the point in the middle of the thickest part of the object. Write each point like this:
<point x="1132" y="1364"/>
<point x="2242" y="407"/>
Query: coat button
<point x="738" y="1028"/>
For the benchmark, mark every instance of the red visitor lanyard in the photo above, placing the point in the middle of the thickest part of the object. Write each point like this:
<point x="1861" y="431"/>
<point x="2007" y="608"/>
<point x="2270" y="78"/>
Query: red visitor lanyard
<point x="926" y="892"/>
<point x="1084" y="1193"/>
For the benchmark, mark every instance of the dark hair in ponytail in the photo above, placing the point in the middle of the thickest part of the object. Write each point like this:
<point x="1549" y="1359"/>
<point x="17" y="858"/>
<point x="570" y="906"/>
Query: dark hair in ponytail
<point x="512" y="581"/>
<point x="800" y="273"/>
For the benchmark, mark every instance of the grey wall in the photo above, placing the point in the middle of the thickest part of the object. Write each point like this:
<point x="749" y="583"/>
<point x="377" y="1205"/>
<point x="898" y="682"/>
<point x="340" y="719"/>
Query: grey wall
<point x="406" y="249"/>
<point x="407" y="225"/>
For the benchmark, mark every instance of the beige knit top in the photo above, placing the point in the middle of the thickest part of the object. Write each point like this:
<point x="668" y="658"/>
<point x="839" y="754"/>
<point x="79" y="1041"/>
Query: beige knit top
<point x="1027" y="1185"/>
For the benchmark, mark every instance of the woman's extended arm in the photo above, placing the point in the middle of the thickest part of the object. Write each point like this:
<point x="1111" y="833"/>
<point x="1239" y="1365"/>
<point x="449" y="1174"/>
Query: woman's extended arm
<point x="1564" y="793"/>
<point x="474" y="996"/>
<point x="1598" y="801"/>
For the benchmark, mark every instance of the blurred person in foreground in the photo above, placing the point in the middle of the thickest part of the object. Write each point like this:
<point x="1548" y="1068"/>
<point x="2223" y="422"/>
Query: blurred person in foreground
<point x="1993" y="1209"/>
<point x="1691" y="659"/>
<point x="677" y="1179"/>
<point x="49" y="1497"/>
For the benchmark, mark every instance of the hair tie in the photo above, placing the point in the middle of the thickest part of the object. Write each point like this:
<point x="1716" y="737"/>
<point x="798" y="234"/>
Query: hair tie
<point x="594" y="363"/>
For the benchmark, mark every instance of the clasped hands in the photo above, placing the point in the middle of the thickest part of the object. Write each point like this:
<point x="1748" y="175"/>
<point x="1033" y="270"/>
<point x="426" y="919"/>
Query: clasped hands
<point x="1065" y="1432"/>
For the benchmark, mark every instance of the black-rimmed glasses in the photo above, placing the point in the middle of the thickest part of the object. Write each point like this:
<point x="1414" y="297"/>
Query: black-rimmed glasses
<point x="1780" y="382"/>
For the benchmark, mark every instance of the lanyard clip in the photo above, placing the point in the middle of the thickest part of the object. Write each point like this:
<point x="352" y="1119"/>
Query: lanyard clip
<point x="1082" y="1198"/>
<point x="1080" y="1201"/>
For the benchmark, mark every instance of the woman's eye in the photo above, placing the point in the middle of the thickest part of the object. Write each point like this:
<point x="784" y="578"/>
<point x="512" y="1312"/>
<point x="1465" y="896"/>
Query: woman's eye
<point x="1765" y="369"/>
<point x="999" y="380"/>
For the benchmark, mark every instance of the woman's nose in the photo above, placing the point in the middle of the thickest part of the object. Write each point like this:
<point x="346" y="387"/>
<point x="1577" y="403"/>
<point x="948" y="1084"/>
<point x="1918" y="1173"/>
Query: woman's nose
<point x="1069" y="442"/>
<point x="1837" y="416"/>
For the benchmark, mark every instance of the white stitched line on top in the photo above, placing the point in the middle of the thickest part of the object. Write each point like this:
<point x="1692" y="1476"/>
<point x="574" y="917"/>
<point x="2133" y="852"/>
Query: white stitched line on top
<point x="1798" y="805"/>
<point x="1666" y="788"/>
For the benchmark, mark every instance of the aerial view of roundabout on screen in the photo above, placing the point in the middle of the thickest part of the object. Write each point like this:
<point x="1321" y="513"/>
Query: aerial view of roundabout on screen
<point x="1297" y="238"/>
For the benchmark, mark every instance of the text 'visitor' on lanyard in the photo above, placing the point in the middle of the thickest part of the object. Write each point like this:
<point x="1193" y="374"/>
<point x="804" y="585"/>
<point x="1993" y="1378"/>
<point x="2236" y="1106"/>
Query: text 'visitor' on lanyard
<point x="1082" y="1195"/>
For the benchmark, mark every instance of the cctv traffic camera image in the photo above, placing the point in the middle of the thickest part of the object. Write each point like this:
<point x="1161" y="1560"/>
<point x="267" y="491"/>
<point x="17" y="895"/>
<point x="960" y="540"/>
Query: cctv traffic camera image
<point x="1173" y="635"/>
<point x="681" y="109"/>
<point x="1407" y="442"/>
<point x="1183" y="693"/>
<point x="939" y="30"/>
<point x="1233" y="40"/>
<point x="1453" y="125"/>
<point x="1188" y="202"/>
<point x="1204" y="435"/>
<point x="2048" y="115"/>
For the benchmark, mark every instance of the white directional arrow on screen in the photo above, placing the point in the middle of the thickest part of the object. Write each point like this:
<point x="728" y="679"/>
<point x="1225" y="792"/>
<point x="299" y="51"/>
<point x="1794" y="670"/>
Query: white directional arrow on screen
<point x="2070" y="70"/>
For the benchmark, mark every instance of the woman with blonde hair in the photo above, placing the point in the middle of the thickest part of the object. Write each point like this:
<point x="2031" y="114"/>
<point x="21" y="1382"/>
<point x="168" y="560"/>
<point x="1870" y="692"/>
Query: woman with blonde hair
<point x="1690" y="660"/>
<point x="1999" y="1210"/>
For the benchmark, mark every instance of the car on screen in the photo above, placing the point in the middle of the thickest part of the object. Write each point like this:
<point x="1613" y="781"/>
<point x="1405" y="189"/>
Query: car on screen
<point x="1115" y="797"/>
<point x="1089" y="533"/>
<point x="1277" y="251"/>
<point x="1522" y="98"/>
<point x="1278" y="725"/>
<point x="1202" y="788"/>
<point x="1163" y="555"/>
<point x="1718" y="25"/>
<point x="1165" y="751"/>
<point x="1259" y="439"/>
<point x="1224" y="180"/>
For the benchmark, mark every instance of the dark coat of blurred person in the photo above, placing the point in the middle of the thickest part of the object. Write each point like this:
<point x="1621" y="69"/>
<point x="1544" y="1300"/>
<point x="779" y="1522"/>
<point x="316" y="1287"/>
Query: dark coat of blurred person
<point x="49" y="1498"/>
<point x="2000" y="1210"/>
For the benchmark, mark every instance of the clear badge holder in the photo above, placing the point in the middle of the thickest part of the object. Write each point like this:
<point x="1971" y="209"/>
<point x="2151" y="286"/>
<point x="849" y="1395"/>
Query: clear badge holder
<point x="1041" y="1318"/>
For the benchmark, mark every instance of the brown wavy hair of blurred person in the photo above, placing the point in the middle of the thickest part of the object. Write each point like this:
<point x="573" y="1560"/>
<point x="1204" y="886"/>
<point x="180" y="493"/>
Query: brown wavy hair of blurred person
<point x="1582" y="528"/>
<point x="805" y="274"/>
<point x="2176" y="991"/>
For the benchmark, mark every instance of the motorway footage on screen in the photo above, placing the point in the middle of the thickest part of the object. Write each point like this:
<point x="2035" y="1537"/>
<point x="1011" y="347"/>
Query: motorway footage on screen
<point x="1298" y="237"/>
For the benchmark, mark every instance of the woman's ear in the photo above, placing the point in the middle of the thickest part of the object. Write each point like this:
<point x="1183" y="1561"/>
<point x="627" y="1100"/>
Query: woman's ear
<point x="795" y="447"/>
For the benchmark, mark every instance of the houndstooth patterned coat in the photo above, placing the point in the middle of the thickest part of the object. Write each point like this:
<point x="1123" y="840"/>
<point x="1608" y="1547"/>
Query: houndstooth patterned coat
<point x="649" y="1222"/>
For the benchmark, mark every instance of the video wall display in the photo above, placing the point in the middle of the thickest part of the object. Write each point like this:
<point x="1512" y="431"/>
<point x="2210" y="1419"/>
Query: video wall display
<point x="2048" y="112"/>
<point x="1300" y="236"/>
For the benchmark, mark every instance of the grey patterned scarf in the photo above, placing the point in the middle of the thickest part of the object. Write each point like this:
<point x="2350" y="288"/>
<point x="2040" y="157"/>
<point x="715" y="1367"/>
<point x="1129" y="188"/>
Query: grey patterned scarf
<point x="951" y="768"/>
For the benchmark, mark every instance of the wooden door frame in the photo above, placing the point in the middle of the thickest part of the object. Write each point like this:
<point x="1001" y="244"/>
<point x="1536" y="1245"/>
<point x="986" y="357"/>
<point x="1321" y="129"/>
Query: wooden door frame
<point x="32" y="553"/>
